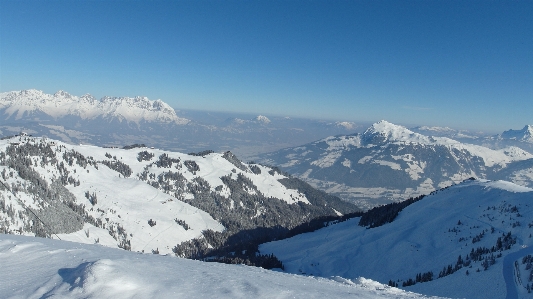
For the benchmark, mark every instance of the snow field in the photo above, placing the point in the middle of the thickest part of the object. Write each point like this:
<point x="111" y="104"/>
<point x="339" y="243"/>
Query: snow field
<point x="43" y="268"/>
<point x="426" y="236"/>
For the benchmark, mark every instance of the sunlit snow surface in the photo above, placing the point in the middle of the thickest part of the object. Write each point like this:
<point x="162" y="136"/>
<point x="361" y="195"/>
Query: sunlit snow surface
<point x="61" y="104"/>
<point x="131" y="202"/>
<point x="427" y="236"/>
<point x="44" y="268"/>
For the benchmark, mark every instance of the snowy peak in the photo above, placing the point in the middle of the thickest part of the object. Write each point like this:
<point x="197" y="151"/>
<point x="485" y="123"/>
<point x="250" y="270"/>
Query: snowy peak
<point x="389" y="162"/>
<point x="61" y="104"/>
<point x="262" y="119"/>
<point x="139" y="108"/>
<point x="384" y="131"/>
<point x="258" y="120"/>
<point x="348" y="125"/>
<point x="88" y="98"/>
<point x="526" y="134"/>
<point x="435" y="129"/>
<point x="62" y="94"/>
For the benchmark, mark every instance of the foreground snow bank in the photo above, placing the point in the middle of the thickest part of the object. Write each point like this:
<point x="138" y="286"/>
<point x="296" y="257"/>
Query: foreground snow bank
<point x="43" y="268"/>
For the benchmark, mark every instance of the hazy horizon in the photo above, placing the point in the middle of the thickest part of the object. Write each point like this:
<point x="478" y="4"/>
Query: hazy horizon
<point x="461" y="64"/>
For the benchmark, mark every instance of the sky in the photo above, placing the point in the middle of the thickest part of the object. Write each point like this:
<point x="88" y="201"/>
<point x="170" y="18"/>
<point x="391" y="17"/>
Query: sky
<point x="462" y="64"/>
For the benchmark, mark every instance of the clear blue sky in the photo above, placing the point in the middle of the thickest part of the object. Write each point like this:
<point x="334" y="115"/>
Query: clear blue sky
<point x="463" y="64"/>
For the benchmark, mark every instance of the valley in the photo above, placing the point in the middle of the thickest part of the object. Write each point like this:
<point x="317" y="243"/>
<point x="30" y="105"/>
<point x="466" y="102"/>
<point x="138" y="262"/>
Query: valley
<point x="399" y="208"/>
<point x="266" y="149"/>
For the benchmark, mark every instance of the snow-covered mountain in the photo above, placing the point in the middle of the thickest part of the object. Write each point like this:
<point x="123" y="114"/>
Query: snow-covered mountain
<point x="471" y="240"/>
<point x="43" y="268"/>
<point x="118" y="121"/>
<point x="522" y="138"/>
<point x="34" y="103"/>
<point x="391" y="162"/>
<point x="148" y="200"/>
<point x="526" y="134"/>
<point x="460" y="135"/>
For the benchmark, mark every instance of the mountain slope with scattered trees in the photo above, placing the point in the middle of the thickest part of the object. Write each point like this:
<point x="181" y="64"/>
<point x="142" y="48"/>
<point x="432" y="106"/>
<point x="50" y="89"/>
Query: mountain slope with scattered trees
<point x="206" y="205"/>
<point x="475" y="236"/>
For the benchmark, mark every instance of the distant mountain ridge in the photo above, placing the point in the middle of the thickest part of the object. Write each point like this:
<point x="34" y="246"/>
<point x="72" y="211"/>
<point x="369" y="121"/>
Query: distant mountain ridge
<point x="525" y="134"/>
<point x="390" y="162"/>
<point x="522" y="138"/>
<point x="17" y="104"/>
<point x="118" y="121"/>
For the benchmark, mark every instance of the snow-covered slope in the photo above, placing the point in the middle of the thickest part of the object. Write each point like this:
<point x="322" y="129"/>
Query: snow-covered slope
<point x="42" y="268"/>
<point x="476" y="236"/>
<point x="391" y="162"/>
<point x="17" y="104"/>
<point x="144" y="199"/>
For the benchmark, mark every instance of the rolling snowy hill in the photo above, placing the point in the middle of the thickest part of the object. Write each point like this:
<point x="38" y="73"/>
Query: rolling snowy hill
<point x="145" y="199"/>
<point x="43" y="268"/>
<point x="471" y="240"/>
<point x="389" y="162"/>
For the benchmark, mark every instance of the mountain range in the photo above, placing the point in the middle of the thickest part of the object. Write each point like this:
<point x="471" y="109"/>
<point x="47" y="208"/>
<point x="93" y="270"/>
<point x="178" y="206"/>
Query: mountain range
<point x="522" y="138"/>
<point x="456" y="220"/>
<point x="526" y="134"/>
<point x="119" y="121"/>
<point x="36" y="104"/>
<point x="390" y="162"/>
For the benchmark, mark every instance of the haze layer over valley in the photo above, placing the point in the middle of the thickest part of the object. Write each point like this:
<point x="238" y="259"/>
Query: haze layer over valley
<point x="119" y="121"/>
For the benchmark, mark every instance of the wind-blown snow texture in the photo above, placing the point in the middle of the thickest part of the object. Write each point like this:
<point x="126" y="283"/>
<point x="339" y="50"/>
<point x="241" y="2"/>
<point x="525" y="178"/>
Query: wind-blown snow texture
<point x="43" y="268"/>
<point x="390" y="162"/>
<point x="488" y="224"/>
